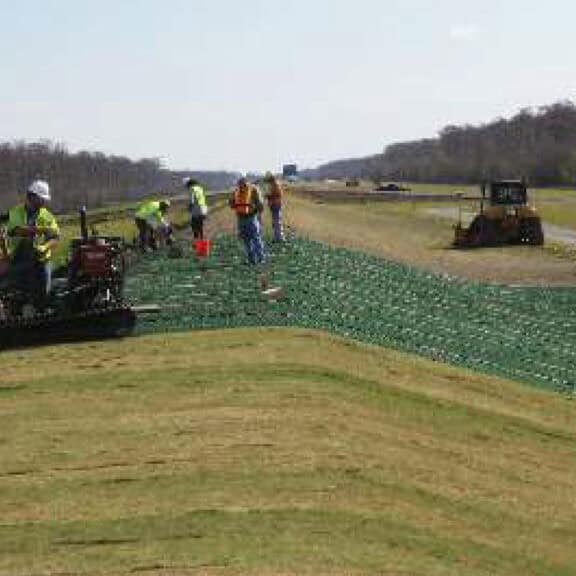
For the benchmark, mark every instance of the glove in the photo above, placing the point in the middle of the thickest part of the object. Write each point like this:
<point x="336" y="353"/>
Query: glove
<point x="40" y="251"/>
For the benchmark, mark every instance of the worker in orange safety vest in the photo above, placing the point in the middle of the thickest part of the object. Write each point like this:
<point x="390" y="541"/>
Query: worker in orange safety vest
<point x="247" y="203"/>
<point x="275" y="197"/>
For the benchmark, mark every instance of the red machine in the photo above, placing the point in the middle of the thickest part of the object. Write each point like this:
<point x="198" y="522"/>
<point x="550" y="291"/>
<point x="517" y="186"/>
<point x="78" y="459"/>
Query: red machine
<point x="86" y="300"/>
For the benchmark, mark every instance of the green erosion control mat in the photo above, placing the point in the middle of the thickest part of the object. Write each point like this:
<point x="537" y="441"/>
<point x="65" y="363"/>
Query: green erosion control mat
<point x="525" y="334"/>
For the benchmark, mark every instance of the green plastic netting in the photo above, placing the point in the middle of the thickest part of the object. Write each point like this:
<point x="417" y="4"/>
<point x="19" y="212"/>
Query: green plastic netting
<point x="521" y="333"/>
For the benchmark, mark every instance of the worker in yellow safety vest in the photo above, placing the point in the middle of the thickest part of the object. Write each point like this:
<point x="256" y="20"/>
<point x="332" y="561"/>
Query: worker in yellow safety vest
<point x="153" y="224"/>
<point x="246" y="202"/>
<point x="32" y="232"/>
<point x="197" y="206"/>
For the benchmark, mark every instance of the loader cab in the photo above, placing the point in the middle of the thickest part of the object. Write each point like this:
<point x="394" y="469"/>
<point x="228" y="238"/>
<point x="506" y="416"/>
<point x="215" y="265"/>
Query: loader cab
<point x="506" y="193"/>
<point x="505" y="218"/>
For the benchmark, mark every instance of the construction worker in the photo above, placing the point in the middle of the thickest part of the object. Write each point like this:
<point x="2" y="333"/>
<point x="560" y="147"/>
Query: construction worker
<point x="197" y="207"/>
<point x="246" y="201"/>
<point x="275" y="196"/>
<point x="32" y="234"/>
<point x="153" y="224"/>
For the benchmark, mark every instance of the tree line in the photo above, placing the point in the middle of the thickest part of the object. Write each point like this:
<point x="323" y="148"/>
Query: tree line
<point x="536" y="144"/>
<point x="90" y="178"/>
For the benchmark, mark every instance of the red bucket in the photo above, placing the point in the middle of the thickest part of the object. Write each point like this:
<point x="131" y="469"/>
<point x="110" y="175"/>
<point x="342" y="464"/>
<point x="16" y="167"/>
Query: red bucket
<point x="202" y="248"/>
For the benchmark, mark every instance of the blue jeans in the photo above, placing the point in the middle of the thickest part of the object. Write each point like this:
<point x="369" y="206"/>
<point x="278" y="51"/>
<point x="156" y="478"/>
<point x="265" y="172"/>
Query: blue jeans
<point x="250" y="232"/>
<point x="277" y="228"/>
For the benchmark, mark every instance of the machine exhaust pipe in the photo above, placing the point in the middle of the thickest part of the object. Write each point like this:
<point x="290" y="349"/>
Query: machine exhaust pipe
<point x="83" y="223"/>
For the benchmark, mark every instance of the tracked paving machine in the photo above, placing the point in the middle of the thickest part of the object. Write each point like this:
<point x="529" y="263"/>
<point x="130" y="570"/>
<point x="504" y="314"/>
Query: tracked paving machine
<point x="86" y="300"/>
<point x="507" y="219"/>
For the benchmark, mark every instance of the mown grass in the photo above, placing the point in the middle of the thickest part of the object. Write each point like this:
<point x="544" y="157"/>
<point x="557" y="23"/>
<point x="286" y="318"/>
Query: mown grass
<point x="277" y="452"/>
<point x="559" y="214"/>
<point x="555" y="205"/>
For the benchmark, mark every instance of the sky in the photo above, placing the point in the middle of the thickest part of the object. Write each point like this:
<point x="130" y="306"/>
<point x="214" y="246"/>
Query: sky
<point x="250" y="85"/>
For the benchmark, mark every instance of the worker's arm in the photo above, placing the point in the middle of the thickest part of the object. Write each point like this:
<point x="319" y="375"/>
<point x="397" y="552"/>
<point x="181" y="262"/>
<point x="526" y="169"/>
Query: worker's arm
<point x="46" y="247"/>
<point x="3" y="245"/>
<point x="22" y="231"/>
<point x="258" y="201"/>
<point x="47" y="234"/>
<point x="155" y="219"/>
<point x="47" y="229"/>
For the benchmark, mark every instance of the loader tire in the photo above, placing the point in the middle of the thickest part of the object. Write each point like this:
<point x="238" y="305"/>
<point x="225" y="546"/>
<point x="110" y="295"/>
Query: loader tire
<point x="532" y="232"/>
<point x="482" y="232"/>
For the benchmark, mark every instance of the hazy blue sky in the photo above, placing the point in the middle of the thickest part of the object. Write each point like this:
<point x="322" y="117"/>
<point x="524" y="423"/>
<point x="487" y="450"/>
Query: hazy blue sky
<point x="252" y="84"/>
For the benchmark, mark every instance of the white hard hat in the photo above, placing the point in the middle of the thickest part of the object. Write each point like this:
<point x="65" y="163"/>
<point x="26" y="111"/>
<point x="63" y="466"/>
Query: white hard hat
<point x="40" y="189"/>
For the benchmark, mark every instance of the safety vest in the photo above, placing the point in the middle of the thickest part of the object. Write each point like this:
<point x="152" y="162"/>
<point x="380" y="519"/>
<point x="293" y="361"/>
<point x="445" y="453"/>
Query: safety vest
<point x="198" y="201"/>
<point x="275" y="194"/>
<point x="18" y="216"/>
<point x="243" y="201"/>
<point x="197" y="195"/>
<point x="150" y="212"/>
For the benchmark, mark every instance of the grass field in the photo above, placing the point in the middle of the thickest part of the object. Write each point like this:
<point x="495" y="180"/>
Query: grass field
<point x="284" y="451"/>
<point x="278" y="452"/>
<point x="556" y="205"/>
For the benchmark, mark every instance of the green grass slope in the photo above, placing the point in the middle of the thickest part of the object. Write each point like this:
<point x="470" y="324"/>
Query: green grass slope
<point x="276" y="451"/>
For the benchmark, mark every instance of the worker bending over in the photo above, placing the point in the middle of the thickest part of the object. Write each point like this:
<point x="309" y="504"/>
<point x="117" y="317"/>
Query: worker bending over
<point x="32" y="234"/>
<point x="275" y="197"/>
<point x="197" y="207"/>
<point x="246" y="201"/>
<point x="153" y="225"/>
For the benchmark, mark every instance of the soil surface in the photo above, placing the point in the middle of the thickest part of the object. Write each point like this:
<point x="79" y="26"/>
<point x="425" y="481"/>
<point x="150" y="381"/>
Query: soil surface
<point x="413" y="236"/>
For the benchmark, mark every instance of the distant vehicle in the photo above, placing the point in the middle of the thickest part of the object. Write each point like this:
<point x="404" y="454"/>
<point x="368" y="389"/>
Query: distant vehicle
<point x="391" y="187"/>
<point x="508" y="219"/>
<point x="352" y="183"/>
<point x="290" y="172"/>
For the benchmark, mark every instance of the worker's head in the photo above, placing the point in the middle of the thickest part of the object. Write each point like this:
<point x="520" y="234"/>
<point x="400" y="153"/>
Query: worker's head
<point x="269" y="177"/>
<point x="164" y="206"/>
<point x="189" y="182"/>
<point x="242" y="182"/>
<point x="38" y="193"/>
